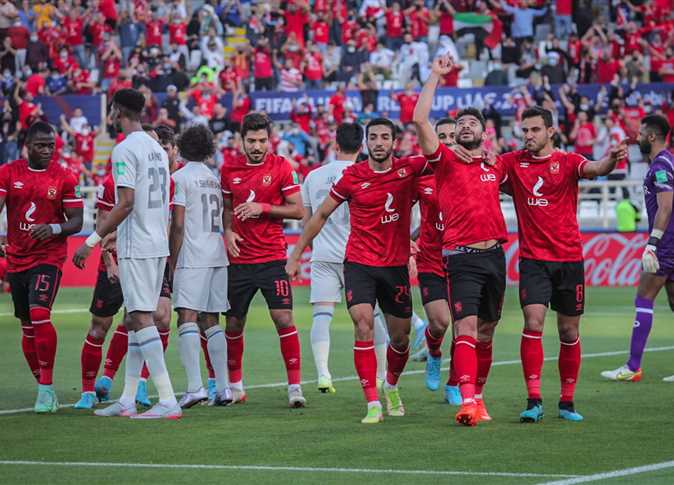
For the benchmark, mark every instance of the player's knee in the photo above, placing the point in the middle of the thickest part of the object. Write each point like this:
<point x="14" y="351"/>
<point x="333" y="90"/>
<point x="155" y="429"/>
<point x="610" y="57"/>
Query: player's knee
<point x="99" y="327"/>
<point x="568" y="332"/>
<point x="39" y="315"/>
<point x="400" y="342"/>
<point x="485" y="332"/>
<point x="533" y="324"/>
<point x="283" y="319"/>
<point x="438" y="325"/>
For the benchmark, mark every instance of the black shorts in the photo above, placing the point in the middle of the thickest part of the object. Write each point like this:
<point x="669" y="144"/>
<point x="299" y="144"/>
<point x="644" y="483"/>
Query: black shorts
<point x="432" y="287"/>
<point x="476" y="283"/>
<point x="389" y="286"/>
<point x="270" y="278"/>
<point x="108" y="298"/>
<point x="36" y="286"/>
<point x="560" y="285"/>
<point x="167" y="283"/>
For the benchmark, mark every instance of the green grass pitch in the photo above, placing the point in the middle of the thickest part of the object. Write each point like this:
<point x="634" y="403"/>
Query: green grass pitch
<point x="626" y="425"/>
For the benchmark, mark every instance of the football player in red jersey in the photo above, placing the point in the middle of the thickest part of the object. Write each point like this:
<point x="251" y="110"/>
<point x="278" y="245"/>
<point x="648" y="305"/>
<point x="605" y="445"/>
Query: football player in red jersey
<point x="474" y="231"/>
<point x="260" y="191"/>
<point x="544" y="184"/>
<point x="380" y="192"/>
<point x="43" y="208"/>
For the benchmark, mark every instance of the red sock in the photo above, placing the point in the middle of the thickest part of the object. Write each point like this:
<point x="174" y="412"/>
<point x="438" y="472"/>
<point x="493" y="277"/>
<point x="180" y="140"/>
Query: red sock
<point x="164" y="337"/>
<point x="234" y="355"/>
<point x="433" y="344"/>
<point x="453" y="380"/>
<point x="116" y="351"/>
<point x="365" y="360"/>
<point x="204" y="349"/>
<point x="290" y="349"/>
<point x="484" y="358"/>
<point x="531" y="353"/>
<point x="395" y="364"/>
<point x="466" y="365"/>
<point x="29" y="352"/>
<point x="569" y="365"/>
<point x="90" y="359"/>
<point x="45" y="342"/>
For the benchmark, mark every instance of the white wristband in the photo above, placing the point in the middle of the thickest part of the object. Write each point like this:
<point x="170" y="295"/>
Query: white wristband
<point x="56" y="229"/>
<point x="93" y="240"/>
<point x="657" y="233"/>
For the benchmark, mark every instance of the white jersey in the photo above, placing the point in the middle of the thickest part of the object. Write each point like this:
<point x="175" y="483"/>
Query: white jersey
<point x="330" y="244"/>
<point x="198" y="191"/>
<point x="140" y="163"/>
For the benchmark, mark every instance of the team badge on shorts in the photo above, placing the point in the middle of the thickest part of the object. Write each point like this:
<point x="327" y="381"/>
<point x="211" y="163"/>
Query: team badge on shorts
<point x="266" y="180"/>
<point x="402" y="172"/>
<point x="458" y="307"/>
<point x="554" y="167"/>
<point x="51" y="193"/>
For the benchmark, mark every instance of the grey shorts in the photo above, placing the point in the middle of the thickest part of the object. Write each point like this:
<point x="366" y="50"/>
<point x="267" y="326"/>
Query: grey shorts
<point x="327" y="282"/>
<point x="141" y="281"/>
<point x="201" y="289"/>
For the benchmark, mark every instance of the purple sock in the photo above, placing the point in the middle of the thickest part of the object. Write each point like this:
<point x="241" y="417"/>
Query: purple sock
<point x="642" y="327"/>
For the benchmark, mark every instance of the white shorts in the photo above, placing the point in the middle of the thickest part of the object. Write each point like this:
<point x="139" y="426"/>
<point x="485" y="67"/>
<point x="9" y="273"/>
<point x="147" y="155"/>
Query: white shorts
<point x="141" y="281"/>
<point x="201" y="289"/>
<point x="327" y="282"/>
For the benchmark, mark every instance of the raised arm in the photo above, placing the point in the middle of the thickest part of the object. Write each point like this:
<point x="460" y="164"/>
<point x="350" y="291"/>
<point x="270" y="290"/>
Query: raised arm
<point x="428" y="139"/>
<point x="606" y="164"/>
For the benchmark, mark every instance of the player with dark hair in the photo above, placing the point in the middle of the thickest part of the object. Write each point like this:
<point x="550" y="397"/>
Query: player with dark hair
<point x="140" y="216"/>
<point x="260" y="191"/>
<point x="43" y="208"/>
<point x="474" y="229"/>
<point x="657" y="260"/>
<point x="380" y="194"/>
<point x="199" y="262"/>
<point x="544" y="183"/>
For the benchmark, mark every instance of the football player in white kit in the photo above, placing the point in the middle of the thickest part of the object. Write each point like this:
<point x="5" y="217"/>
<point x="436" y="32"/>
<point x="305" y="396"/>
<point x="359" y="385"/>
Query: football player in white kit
<point x="199" y="260"/>
<point x="327" y="257"/>
<point x="140" y="216"/>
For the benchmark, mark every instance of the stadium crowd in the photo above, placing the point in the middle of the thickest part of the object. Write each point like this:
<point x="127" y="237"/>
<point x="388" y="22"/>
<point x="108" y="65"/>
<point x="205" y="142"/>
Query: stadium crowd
<point x="197" y="52"/>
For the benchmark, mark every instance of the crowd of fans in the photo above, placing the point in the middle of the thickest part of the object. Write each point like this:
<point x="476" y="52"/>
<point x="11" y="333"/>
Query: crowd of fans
<point x="178" y="47"/>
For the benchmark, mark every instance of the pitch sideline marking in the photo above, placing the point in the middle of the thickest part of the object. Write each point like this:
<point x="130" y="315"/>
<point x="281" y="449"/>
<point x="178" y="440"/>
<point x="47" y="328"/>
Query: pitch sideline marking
<point x="280" y="468"/>
<point x="615" y="474"/>
<point x="355" y="378"/>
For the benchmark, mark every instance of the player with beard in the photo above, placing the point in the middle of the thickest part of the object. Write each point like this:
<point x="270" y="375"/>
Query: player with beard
<point x="260" y="191"/>
<point x="544" y="184"/>
<point x="474" y="230"/>
<point x="380" y="192"/>
<point x="43" y="208"/>
<point x="658" y="257"/>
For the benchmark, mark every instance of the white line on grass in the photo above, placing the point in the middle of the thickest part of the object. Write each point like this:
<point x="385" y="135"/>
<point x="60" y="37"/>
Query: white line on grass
<point x="354" y="378"/>
<point x="58" y="310"/>
<point x="280" y="469"/>
<point x="615" y="474"/>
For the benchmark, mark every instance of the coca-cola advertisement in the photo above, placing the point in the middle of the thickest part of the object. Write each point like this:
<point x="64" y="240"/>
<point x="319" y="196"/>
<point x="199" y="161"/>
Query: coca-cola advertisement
<point x="611" y="259"/>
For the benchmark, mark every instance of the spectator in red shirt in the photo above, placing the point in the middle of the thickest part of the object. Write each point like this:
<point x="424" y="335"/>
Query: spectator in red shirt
<point x="419" y="18"/>
<point x="313" y="67"/>
<point x="65" y="62"/>
<point x="153" y="31"/>
<point x="607" y="68"/>
<point x="583" y="135"/>
<point x="263" y="69"/>
<point x="178" y="35"/>
<point x="445" y="14"/>
<point x="19" y="36"/>
<point x="666" y="71"/>
<point x="35" y="84"/>
<point x="73" y="26"/>
<point x="109" y="11"/>
<point x="395" y="23"/>
<point x="337" y="105"/>
<point x="407" y="101"/>
<point x="80" y="82"/>
<point x="240" y="107"/>
<point x="320" y="30"/>
<point x="296" y="17"/>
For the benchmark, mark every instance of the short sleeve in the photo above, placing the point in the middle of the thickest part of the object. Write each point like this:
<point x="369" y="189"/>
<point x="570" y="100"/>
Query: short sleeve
<point x="72" y="199"/>
<point x="105" y="200"/>
<point x="440" y="154"/>
<point x="341" y="190"/>
<point x="419" y="165"/>
<point x="290" y="183"/>
<point x="179" y="196"/>
<point x="304" y="191"/>
<point x="123" y="167"/>
<point x="224" y="182"/>
<point x="663" y="176"/>
<point x="577" y="162"/>
<point x="4" y="180"/>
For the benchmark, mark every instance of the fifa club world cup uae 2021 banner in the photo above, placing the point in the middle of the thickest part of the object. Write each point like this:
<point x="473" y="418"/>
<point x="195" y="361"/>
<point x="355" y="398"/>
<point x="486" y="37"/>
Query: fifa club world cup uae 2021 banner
<point x="611" y="259"/>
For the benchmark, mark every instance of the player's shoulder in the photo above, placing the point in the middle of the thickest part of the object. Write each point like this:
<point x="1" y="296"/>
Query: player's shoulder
<point x="278" y="162"/>
<point x="512" y="157"/>
<point x="664" y="161"/>
<point x="14" y="166"/>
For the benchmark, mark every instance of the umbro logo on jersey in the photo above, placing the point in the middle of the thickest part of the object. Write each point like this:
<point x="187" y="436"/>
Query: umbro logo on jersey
<point x="428" y="190"/>
<point x="524" y="164"/>
<point x="18" y="185"/>
<point x="364" y="185"/>
<point x="236" y="180"/>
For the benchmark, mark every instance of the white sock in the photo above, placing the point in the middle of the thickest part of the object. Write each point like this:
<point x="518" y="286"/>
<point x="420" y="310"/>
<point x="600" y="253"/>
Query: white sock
<point x="374" y="404"/>
<point x="190" y="349"/>
<point x="380" y="343"/>
<point x="217" y="350"/>
<point x="132" y="368"/>
<point x="320" y="338"/>
<point x="417" y="323"/>
<point x="236" y="386"/>
<point x="153" y="354"/>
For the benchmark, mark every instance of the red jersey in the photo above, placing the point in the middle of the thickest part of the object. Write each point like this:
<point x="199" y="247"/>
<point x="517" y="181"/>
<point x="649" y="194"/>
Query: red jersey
<point x="313" y="68"/>
<point x="268" y="182"/>
<point x="468" y="199"/>
<point x="321" y="31"/>
<point x="262" y="64"/>
<point x="240" y="109"/>
<point x="545" y="193"/>
<point x="429" y="259"/>
<point x="36" y="197"/>
<point x="380" y="206"/>
<point x="394" y="24"/>
<point x="84" y="146"/>
<point x="111" y="67"/>
<point x="206" y="103"/>
<point x="407" y="103"/>
<point x="105" y="201"/>
<point x="73" y="31"/>
<point x="178" y="33"/>
<point x="153" y="33"/>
